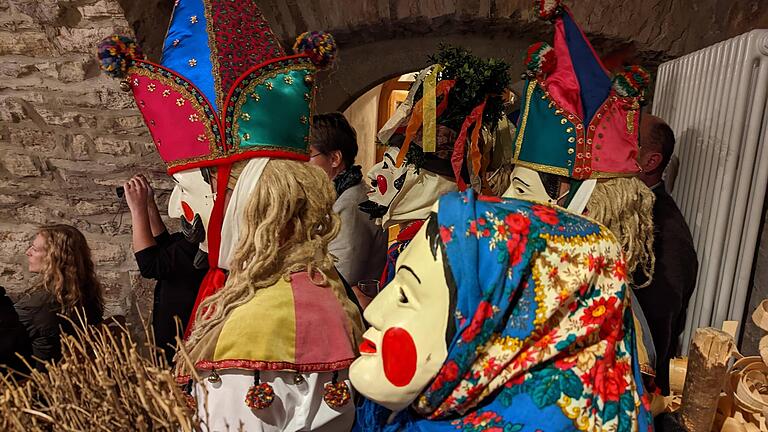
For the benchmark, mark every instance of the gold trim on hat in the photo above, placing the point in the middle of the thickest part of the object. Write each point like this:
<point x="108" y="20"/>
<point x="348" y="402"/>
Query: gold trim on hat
<point x="524" y="119"/>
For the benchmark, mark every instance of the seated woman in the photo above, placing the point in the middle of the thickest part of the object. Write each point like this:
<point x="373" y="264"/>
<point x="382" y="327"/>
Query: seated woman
<point x="275" y="343"/>
<point x="533" y="304"/>
<point x="68" y="288"/>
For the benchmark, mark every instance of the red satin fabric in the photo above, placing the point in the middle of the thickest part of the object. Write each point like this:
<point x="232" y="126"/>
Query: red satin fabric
<point x="215" y="278"/>
<point x="457" y="158"/>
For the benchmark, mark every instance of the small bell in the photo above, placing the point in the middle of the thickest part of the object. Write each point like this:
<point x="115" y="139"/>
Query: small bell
<point x="214" y="378"/>
<point x="336" y="393"/>
<point x="125" y="86"/>
<point x="260" y="395"/>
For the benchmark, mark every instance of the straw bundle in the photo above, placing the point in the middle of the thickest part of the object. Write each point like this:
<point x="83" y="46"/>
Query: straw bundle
<point x="103" y="382"/>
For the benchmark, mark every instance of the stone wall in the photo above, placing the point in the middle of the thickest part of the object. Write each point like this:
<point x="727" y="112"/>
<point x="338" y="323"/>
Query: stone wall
<point x="68" y="136"/>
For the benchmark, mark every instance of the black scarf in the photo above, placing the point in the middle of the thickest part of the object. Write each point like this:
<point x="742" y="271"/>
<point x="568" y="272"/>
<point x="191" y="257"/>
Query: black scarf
<point x="350" y="177"/>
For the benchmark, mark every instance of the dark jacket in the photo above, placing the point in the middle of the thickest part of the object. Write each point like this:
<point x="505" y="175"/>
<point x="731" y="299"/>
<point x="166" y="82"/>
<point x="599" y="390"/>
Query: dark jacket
<point x="665" y="300"/>
<point x="170" y="263"/>
<point x="38" y="312"/>
<point x="13" y="336"/>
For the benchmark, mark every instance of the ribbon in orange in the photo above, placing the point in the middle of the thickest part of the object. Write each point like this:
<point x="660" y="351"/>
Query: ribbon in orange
<point x="417" y="115"/>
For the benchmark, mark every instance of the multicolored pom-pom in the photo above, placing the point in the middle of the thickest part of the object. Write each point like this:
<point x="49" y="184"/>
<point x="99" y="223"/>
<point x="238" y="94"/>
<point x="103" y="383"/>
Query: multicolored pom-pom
<point x="336" y="394"/>
<point x="549" y="9"/>
<point x="116" y="54"/>
<point x="260" y="396"/>
<point x="319" y="46"/>
<point x="633" y="81"/>
<point x="540" y="59"/>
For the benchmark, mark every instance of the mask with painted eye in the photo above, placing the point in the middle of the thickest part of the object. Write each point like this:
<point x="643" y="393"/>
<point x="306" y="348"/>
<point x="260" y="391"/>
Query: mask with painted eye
<point x="537" y="186"/>
<point x="400" y="355"/>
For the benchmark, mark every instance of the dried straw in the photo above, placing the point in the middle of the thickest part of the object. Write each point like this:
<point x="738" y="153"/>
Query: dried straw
<point x="103" y="382"/>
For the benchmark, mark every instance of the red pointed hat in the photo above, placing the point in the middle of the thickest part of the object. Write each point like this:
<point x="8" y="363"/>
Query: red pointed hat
<point x="576" y="120"/>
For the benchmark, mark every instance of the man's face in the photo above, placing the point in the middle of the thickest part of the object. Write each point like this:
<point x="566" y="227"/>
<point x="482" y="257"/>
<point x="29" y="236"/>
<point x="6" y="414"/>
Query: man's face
<point x="386" y="181"/>
<point x="192" y="198"/>
<point x="405" y="346"/>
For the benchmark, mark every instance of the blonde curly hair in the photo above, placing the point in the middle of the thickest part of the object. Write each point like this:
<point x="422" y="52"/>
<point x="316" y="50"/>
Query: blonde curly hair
<point x="289" y="223"/>
<point x="625" y="206"/>
<point x="68" y="272"/>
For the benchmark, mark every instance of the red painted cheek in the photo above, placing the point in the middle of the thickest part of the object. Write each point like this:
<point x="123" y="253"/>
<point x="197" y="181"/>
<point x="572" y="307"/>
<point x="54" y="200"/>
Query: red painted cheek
<point x="188" y="213"/>
<point x="382" y="183"/>
<point x="398" y="354"/>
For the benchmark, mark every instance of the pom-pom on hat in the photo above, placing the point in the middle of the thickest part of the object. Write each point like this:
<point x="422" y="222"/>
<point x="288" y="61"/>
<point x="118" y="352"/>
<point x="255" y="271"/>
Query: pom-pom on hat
<point x="225" y="90"/>
<point x="576" y="121"/>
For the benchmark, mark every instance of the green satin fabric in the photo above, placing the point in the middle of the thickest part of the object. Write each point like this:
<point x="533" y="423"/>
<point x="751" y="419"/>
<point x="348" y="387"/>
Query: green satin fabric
<point x="545" y="137"/>
<point x="277" y="119"/>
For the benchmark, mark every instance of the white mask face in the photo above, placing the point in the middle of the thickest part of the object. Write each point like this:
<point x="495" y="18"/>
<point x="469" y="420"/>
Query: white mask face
<point x="192" y="196"/>
<point x="405" y="347"/>
<point x="383" y="179"/>
<point x="526" y="184"/>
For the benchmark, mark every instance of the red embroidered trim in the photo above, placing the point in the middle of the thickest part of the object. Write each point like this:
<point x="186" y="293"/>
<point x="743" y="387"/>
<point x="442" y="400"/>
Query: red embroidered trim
<point x="273" y="366"/>
<point x="250" y="154"/>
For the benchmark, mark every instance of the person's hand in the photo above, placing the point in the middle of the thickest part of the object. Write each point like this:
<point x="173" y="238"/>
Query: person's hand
<point x="136" y="193"/>
<point x="150" y="191"/>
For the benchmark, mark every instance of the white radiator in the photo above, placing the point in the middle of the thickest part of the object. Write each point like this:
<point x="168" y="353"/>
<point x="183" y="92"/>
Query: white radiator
<point x="715" y="101"/>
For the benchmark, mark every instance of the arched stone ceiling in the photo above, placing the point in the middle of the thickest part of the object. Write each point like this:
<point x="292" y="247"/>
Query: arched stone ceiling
<point x="381" y="38"/>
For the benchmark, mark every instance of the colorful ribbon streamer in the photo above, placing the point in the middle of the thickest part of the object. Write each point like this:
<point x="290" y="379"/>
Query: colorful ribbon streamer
<point x="414" y="124"/>
<point x="457" y="158"/>
<point x="429" y="141"/>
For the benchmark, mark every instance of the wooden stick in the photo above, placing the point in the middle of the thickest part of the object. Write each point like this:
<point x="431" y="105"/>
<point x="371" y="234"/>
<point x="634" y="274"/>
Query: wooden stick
<point x="708" y="358"/>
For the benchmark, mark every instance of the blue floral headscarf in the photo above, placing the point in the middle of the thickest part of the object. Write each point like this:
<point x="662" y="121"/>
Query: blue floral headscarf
<point x="544" y="335"/>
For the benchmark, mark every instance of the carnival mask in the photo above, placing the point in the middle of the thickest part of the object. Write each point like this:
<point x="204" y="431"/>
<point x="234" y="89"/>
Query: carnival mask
<point x="386" y="181"/>
<point x="405" y="346"/>
<point x="192" y="201"/>
<point x="532" y="185"/>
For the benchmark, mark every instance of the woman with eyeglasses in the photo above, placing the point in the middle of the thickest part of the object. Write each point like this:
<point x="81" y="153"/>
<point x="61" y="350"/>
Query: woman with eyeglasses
<point x="360" y="248"/>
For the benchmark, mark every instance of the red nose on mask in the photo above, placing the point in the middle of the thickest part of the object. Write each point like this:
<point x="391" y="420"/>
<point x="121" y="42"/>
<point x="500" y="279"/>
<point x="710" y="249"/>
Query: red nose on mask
<point x="188" y="213"/>
<point x="382" y="183"/>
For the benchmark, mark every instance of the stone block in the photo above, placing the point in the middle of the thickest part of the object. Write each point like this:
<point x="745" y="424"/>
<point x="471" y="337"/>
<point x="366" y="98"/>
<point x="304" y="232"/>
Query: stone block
<point x="67" y="118"/>
<point x="34" y="43"/>
<point x="8" y="200"/>
<point x="74" y="71"/>
<point x="107" y="252"/>
<point x="84" y="40"/>
<point x="90" y="208"/>
<point x="32" y="214"/>
<point x="112" y="98"/>
<point x="11" y="110"/>
<point x="20" y="165"/>
<point x="101" y="9"/>
<point x="33" y="140"/>
<point x="113" y="146"/>
<point x="133" y="123"/>
<point x="79" y="146"/>
<point x="13" y="244"/>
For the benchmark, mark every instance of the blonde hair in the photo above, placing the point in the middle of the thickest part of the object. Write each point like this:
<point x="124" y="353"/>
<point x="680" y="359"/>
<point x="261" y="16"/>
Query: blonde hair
<point x="625" y="206"/>
<point x="68" y="272"/>
<point x="289" y="223"/>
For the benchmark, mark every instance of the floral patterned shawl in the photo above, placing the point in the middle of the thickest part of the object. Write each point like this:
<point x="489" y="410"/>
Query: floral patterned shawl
<point x="544" y="337"/>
